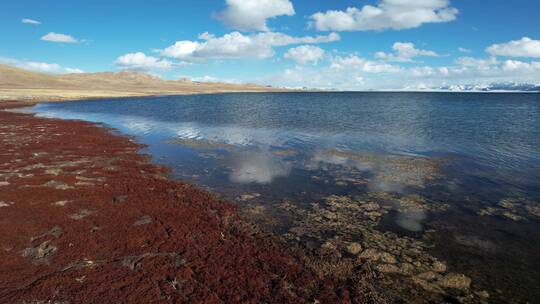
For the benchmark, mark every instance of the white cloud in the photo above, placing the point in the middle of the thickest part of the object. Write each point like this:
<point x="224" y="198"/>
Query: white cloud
<point x="52" y="68"/>
<point x="464" y="50"/>
<point x="279" y="39"/>
<point x="73" y="71"/>
<point x="236" y="45"/>
<point x="206" y="36"/>
<point x="360" y="64"/>
<point x="344" y="72"/>
<point x="230" y="46"/>
<point x="251" y="15"/>
<point x="404" y="52"/>
<point x="477" y="63"/>
<point x="305" y="54"/>
<point x="205" y="78"/>
<point x="30" y="21"/>
<point x="208" y="78"/>
<point x="388" y="14"/>
<point x="139" y="61"/>
<point x="62" y="38"/>
<point x="525" y="47"/>
<point x="181" y="49"/>
<point x="520" y="66"/>
<point x="352" y="72"/>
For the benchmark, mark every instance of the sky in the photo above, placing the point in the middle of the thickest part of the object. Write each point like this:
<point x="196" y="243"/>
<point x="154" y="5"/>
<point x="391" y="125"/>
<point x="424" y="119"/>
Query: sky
<point x="341" y="44"/>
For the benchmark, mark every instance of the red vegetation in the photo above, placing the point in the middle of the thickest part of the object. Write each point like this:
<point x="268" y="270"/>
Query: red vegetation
<point x="84" y="218"/>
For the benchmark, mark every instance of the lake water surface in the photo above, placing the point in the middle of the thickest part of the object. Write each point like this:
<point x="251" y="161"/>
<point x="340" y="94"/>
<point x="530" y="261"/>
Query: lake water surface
<point x="453" y="176"/>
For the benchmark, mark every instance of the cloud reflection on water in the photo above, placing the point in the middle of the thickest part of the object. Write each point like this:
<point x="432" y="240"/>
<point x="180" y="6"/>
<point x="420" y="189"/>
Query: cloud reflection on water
<point x="254" y="166"/>
<point x="387" y="173"/>
<point x="257" y="167"/>
<point x="411" y="219"/>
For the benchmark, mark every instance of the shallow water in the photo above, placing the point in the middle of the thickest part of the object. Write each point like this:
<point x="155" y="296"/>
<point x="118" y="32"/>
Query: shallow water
<point x="460" y="172"/>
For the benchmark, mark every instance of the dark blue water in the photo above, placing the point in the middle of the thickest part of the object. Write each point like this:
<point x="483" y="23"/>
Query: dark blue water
<point x="473" y="151"/>
<point x="497" y="134"/>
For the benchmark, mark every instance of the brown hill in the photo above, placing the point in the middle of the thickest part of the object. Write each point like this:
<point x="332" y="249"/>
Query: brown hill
<point x="19" y="84"/>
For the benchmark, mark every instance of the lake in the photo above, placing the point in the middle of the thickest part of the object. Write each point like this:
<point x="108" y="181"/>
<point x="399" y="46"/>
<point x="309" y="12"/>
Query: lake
<point x="453" y="178"/>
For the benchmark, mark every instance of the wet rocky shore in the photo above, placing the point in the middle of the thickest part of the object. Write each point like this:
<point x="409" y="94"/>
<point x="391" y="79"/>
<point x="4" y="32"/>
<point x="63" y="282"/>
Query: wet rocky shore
<point x="85" y="218"/>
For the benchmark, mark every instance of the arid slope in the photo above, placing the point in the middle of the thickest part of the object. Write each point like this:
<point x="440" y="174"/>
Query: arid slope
<point x="19" y="84"/>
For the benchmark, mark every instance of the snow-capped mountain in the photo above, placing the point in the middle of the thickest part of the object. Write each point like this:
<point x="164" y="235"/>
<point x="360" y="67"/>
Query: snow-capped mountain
<point x="494" y="87"/>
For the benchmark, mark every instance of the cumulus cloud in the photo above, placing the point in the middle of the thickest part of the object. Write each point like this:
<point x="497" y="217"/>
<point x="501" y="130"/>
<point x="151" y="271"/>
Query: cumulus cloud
<point x="464" y="50"/>
<point x="525" y="47"/>
<point x="343" y="72"/>
<point x="352" y="72"/>
<point x="360" y="64"/>
<point x="477" y="71"/>
<point x="477" y="63"/>
<point x="30" y="21"/>
<point x="208" y="78"/>
<point x="520" y="66"/>
<point x="236" y="45"/>
<point x="51" y="68"/>
<point x="61" y="38"/>
<point x="141" y="62"/>
<point x="388" y="14"/>
<point x="251" y="15"/>
<point x="305" y="54"/>
<point x="404" y="52"/>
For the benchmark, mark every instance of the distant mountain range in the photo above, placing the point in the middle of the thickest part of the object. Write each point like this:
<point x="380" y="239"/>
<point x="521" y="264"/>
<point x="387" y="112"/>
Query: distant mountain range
<point x="494" y="87"/>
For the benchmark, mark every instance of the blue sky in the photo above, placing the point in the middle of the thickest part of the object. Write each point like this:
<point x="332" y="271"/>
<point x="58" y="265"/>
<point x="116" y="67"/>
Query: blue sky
<point x="383" y="44"/>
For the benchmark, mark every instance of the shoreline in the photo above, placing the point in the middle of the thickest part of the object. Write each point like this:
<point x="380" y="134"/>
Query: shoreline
<point x="285" y="269"/>
<point x="29" y="100"/>
<point x="32" y="100"/>
<point x="91" y="219"/>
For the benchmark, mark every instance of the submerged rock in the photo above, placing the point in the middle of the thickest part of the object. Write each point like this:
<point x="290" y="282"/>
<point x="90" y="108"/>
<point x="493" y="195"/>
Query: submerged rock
<point x="354" y="248"/>
<point x="371" y="206"/>
<point x="429" y="276"/>
<point x="403" y="263"/>
<point x="516" y="209"/>
<point x="391" y="171"/>
<point x="512" y="216"/>
<point x="439" y="266"/>
<point x="428" y="286"/>
<point x="388" y="268"/>
<point x="249" y="197"/>
<point x="388" y="258"/>
<point x="407" y="269"/>
<point x="482" y="294"/>
<point x="371" y="254"/>
<point x="329" y="246"/>
<point x="455" y="281"/>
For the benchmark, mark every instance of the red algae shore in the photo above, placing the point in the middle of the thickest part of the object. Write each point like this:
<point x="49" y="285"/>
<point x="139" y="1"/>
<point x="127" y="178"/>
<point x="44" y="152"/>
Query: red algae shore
<point x="85" y="218"/>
